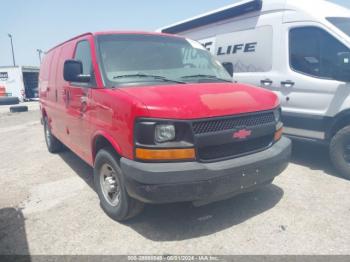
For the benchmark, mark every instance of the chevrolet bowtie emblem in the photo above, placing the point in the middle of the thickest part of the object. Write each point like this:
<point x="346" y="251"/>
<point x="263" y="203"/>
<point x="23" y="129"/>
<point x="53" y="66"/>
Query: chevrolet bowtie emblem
<point x="242" y="134"/>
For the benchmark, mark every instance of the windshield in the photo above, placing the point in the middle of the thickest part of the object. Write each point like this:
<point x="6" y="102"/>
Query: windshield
<point x="134" y="59"/>
<point x="343" y="23"/>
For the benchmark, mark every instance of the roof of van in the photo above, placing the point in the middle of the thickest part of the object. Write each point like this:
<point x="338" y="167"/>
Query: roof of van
<point x="323" y="9"/>
<point x="111" y="33"/>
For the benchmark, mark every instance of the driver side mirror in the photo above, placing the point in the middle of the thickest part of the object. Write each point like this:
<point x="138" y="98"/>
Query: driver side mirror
<point x="73" y="72"/>
<point x="229" y="67"/>
<point x="342" y="70"/>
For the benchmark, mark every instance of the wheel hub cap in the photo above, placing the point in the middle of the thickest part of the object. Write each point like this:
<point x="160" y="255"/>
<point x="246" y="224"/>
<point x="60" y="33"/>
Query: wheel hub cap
<point x="110" y="185"/>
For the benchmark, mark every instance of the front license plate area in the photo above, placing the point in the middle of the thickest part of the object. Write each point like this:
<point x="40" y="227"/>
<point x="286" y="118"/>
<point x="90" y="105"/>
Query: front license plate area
<point x="250" y="178"/>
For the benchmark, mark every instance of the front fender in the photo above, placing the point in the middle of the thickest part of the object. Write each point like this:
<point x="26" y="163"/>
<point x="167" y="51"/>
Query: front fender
<point x="109" y="138"/>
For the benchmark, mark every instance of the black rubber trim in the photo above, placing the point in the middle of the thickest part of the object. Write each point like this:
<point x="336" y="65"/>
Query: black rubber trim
<point x="307" y="122"/>
<point x="181" y="182"/>
<point x="165" y="173"/>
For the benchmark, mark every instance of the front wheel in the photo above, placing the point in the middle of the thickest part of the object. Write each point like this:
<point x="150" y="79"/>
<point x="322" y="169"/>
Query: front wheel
<point x="340" y="151"/>
<point x="110" y="186"/>
<point x="52" y="143"/>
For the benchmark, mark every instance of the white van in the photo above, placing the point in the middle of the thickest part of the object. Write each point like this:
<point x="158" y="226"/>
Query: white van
<point x="299" y="49"/>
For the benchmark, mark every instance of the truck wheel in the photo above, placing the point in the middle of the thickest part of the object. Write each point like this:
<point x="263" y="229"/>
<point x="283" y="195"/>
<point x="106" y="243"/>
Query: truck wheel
<point x="340" y="151"/>
<point x="110" y="187"/>
<point x="53" y="144"/>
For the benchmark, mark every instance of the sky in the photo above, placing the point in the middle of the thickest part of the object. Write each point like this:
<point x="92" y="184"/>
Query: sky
<point x="37" y="24"/>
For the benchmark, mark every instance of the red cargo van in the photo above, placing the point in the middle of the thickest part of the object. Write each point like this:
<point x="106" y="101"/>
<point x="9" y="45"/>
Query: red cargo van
<point x="159" y="120"/>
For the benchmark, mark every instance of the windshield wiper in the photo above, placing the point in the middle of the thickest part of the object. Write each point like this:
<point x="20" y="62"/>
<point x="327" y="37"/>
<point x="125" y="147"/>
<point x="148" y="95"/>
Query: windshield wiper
<point x="163" y="78"/>
<point x="206" y="76"/>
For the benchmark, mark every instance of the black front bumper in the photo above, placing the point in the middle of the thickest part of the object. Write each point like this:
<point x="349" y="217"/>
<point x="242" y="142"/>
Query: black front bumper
<point x="204" y="182"/>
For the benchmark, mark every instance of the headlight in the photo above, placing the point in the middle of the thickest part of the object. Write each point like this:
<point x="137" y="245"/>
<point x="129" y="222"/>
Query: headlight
<point x="164" y="133"/>
<point x="277" y="113"/>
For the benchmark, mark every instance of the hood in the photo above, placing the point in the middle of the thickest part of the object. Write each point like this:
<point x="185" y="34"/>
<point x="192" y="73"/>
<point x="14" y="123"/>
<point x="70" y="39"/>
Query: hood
<point x="195" y="101"/>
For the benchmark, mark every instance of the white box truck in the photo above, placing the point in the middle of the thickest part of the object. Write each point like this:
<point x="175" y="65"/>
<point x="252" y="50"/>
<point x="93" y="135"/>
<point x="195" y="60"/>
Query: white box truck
<point x="300" y="50"/>
<point x="18" y="82"/>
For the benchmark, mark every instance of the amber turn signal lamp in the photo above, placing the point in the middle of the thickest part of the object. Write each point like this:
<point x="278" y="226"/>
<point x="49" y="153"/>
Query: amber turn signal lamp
<point x="278" y="134"/>
<point x="165" y="154"/>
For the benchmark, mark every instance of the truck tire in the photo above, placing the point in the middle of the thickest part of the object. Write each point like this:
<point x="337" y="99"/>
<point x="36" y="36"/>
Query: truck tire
<point x="9" y="100"/>
<point x="52" y="143"/>
<point x="110" y="186"/>
<point x="340" y="151"/>
<point x="18" y="109"/>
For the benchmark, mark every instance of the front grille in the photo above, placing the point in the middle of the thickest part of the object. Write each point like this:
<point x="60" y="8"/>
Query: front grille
<point x="216" y="125"/>
<point x="234" y="149"/>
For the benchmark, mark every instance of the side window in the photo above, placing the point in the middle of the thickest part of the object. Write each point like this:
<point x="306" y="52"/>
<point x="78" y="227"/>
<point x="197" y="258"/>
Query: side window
<point x="314" y="52"/>
<point x="83" y="54"/>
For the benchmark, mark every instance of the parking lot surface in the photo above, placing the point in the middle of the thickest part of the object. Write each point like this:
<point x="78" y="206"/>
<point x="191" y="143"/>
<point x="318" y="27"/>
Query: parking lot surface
<point x="48" y="206"/>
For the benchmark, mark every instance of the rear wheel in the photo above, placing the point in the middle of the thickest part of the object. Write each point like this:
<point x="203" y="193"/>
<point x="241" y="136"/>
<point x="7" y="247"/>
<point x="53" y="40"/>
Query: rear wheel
<point x="52" y="143"/>
<point x="110" y="186"/>
<point x="340" y="151"/>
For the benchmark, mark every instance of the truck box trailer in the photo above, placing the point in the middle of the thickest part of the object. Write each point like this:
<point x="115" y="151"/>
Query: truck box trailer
<point x="19" y="81"/>
<point x="298" y="49"/>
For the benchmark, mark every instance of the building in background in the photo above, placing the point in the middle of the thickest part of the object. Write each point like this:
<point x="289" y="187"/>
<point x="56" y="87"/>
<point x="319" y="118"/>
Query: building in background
<point x="19" y="81"/>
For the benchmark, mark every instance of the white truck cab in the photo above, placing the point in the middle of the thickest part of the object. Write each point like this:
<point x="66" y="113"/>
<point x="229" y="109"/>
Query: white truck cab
<point x="296" y="48"/>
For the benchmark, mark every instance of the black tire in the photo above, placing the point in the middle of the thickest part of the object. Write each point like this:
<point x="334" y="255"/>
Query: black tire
<point x="126" y="207"/>
<point x="338" y="151"/>
<point x="9" y="100"/>
<point x="18" y="109"/>
<point x="52" y="143"/>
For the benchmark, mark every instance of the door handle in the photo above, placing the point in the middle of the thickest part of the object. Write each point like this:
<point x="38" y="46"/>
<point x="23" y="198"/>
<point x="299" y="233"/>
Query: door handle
<point x="287" y="83"/>
<point x="83" y="106"/>
<point x="266" y="82"/>
<point x="65" y="96"/>
<point x="83" y="99"/>
<point x="64" y="93"/>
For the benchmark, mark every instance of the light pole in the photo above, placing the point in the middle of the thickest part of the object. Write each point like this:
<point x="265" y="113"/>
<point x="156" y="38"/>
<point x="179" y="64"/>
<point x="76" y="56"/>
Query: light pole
<point x="13" y="52"/>
<point x="39" y="53"/>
